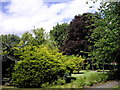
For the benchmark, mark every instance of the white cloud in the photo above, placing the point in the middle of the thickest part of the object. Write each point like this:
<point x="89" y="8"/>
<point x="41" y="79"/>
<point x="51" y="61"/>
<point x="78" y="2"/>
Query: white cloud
<point x="24" y="14"/>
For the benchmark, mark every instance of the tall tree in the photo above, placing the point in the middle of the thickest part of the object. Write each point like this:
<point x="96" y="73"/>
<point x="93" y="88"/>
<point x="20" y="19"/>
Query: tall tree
<point x="78" y="33"/>
<point x="40" y="35"/>
<point x="106" y="37"/>
<point x="37" y="37"/>
<point x="58" y="33"/>
<point x="27" y="39"/>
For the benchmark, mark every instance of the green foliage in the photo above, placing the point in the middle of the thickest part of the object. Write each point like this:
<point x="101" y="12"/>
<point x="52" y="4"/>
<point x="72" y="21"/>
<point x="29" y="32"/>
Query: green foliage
<point x="90" y="79"/>
<point x="87" y="79"/>
<point x="59" y="81"/>
<point x="74" y="62"/>
<point x="40" y="35"/>
<point x="7" y="53"/>
<point x="33" y="73"/>
<point x="8" y="42"/>
<point x="27" y="39"/>
<point x="40" y="64"/>
<point x="106" y="36"/>
<point x="37" y="37"/>
<point x="58" y="33"/>
<point x="116" y="87"/>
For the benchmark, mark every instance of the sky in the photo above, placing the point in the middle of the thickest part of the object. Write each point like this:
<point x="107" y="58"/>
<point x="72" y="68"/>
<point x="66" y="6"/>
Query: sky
<point x="19" y="16"/>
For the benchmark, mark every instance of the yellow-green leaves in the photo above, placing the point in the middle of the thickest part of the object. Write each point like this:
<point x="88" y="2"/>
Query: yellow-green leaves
<point x="42" y="64"/>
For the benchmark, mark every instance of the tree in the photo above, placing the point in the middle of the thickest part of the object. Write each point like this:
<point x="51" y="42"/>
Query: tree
<point x="37" y="37"/>
<point x="58" y="33"/>
<point x="27" y="39"/>
<point x="79" y="32"/>
<point x="7" y="52"/>
<point x="40" y="35"/>
<point x="106" y="36"/>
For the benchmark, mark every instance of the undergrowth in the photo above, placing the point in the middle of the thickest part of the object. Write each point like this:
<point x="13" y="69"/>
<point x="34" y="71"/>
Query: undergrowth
<point x="84" y="80"/>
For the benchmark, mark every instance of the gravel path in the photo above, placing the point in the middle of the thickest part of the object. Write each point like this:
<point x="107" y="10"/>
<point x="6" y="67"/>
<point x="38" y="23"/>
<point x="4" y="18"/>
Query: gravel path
<point x="107" y="85"/>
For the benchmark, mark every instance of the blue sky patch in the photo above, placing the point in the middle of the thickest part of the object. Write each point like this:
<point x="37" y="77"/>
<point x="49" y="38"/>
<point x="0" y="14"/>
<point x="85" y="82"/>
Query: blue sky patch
<point x="66" y="20"/>
<point x="50" y="3"/>
<point x="4" y="4"/>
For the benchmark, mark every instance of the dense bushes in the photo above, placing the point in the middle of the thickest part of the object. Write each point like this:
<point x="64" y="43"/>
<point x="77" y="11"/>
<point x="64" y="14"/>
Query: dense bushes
<point x="33" y="73"/>
<point x="41" y="64"/>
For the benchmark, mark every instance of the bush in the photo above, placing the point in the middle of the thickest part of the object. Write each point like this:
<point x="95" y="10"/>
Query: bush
<point x="59" y="81"/>
<point x="33" y="73"/>
<point x="39" y="65"/>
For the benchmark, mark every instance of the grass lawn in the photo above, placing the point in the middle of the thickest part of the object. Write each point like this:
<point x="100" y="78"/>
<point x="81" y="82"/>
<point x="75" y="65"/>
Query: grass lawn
<point x="87" y="78"/>
<point x="83" y="73"/>
<point x="117" y="87"/>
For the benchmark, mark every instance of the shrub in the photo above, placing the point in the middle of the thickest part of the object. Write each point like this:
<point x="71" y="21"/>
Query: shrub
<point x="40" y="64"/>
<point x="34" y="73"/>
<point x="59" y="81"/>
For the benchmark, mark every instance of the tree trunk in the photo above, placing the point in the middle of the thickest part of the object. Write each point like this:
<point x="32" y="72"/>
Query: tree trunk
<point x="103" y="68"/>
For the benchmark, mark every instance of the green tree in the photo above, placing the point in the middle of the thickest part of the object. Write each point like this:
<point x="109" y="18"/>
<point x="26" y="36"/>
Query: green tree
<point x="40" y="35"/>
<point x="106" y="37"/>
<point x="58" y="33"/>
<point x="36" y="37"/>
<point x="7" y="52"/>
<point x="27" y="39"/>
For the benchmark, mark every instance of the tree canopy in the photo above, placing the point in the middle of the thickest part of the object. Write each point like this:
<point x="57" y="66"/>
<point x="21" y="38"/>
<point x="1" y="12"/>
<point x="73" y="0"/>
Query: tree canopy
<point x="39" y="57"/>
<point x="106" y="37"/>
<point x="79" y="32"/>
<point x="7" y="53"/>
<point x="36" y="37"/>
<point x="59" y="33"/>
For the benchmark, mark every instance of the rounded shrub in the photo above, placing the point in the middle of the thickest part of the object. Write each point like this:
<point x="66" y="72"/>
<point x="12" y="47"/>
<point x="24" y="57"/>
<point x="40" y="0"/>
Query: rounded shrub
<point x="34" y="73"/>
<point x="39" y="65"/>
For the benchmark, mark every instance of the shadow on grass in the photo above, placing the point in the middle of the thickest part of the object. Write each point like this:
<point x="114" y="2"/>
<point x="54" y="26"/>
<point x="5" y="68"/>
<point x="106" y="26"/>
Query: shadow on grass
<point x="70" y="79"/>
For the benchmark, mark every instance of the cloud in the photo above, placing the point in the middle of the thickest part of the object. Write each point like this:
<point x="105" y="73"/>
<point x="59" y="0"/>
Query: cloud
<point x="23" y="15"/>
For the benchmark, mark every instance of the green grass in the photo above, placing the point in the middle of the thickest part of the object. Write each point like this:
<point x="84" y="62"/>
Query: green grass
<point x="84" y="73"/>
<point x="86" y="79"/>
<point x="117" y="87"/>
